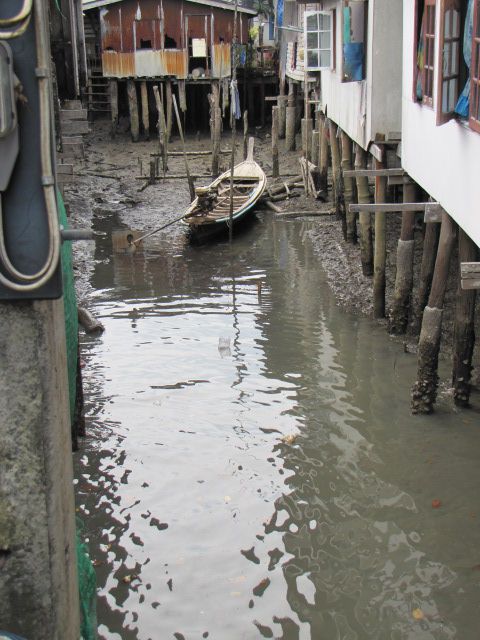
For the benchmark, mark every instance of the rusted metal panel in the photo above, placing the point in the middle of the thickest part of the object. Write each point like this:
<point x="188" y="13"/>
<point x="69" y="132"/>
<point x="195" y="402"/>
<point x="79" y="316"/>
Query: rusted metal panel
<point x="153" y="64"/>
<point x="221" y="60"/>
<point x="118" y="65"/>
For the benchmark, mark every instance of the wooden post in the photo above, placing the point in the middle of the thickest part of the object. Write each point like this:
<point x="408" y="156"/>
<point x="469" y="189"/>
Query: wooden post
<point x="315" y="147"/>
<point x="464" y="333"/>
<point x="323" y="166"/>
<point x="366" y="244"/>
<point x="290" y="119"/>
<point x="380" y="247"/>
<point x="282" y="110"/>
<point x="245" y="134"/>
<point x="338" y="194"/>
<point x="424" y="391"/>
<point x="349" y="187"/>
<point x="145" y="117"/>
<point x="307" y="128"/>
<point x="162" y="129"/>
<point x="404" y="275"/>
<point x="420" y="299"/>
<point x="133" y="108"/>
<point x="275" y="171"/>
<point x="113" y="91"/>
<point x="217" y="137"/>
<point x="168" y="97"/>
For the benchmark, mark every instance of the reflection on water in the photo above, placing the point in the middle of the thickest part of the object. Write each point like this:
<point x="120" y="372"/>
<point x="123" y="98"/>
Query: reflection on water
<point x="252" y="469"/>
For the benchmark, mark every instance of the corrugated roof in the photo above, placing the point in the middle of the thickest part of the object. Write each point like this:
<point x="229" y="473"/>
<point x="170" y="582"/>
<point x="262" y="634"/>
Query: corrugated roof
<point x="244" y="6"/>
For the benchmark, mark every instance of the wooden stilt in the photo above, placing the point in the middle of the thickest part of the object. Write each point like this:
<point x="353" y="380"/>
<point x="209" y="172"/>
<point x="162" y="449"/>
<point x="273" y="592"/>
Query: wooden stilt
<point x="162" y="129"/>
<point x="430" y="245"/>
<point x="113" y="91"/>
<point x="338" y="194"/>
<point x="133" y="108"/>
<point x="307" y="128"/>
<point x="404" y="275"/>
<point x="282" y="110"/>
<point x="262" y="103"/>
<point x="275" y="169"/>
<point x="245" y="134"/>
<point x="380" y="247"/>
<point x="349" y="187"/>
<point x="464" y="333"/>
<point x="168" y="98"/>
<point x="366" y="240"/>
<point x="323" y="164"/>
<point x="290" y="119"/>
<point x="315" y="147"/>
<point x="145" y="116"/>
<point x="217" y="137"/>
<point x="424" y="391"/>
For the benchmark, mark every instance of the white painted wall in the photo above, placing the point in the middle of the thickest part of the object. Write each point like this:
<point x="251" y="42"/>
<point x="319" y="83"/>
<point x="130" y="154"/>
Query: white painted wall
<point x="373" y="106"/>
<point x="444" y="160"/>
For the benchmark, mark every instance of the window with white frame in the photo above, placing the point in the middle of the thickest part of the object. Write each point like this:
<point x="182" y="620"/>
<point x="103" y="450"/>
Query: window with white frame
<point x="318" y="40"/>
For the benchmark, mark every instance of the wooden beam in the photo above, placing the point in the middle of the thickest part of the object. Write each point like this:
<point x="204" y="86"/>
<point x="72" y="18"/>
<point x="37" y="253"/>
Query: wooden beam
<point x="433" y="212"/>
<point x="470" y="273"/>
<point x="395" y="207"/>
<point x="376" y="151"/>
<point x="393" y="181"/>
<point x="354" y="173"/>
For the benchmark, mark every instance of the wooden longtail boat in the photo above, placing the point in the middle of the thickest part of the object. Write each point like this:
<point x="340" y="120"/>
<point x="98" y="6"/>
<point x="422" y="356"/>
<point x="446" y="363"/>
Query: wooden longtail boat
<point x="209" y="213"/>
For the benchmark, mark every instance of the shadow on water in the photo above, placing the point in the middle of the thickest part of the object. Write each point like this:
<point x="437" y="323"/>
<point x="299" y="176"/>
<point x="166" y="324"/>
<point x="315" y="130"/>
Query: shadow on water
<point x="252" y="468"/>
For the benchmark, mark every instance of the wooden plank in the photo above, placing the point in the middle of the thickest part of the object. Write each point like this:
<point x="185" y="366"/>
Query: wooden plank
<point x="376" y="151"/>
<point x="66" y="115"/>
<point x="75" y="127"/>
<point x="393" y="181"/>
<point x="433" y="212"/>
<point x="389" y="207"/>
<point x="468" y="284"/>
<point x="358" y="173"/>
<point x="64" y="169"/>
<point x="470" y="270"/>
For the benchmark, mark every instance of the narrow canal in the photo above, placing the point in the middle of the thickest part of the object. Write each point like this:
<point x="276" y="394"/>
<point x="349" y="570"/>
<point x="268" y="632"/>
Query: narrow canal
<point x="252" y="469"/>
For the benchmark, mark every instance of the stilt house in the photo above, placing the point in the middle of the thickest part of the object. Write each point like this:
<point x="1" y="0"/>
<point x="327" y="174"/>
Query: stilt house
<point x="353" y="48"/>
<point x="180" y="39"/>
<point x="441" y="104"/>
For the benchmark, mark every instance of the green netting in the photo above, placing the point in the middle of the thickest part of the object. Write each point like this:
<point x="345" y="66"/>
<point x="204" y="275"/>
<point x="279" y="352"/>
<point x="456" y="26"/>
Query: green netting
<point x="70" y="305"/>
<point x="87" y="585"/>
<point x="88" y="590"/>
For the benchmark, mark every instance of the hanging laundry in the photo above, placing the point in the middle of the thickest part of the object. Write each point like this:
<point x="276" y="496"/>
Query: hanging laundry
<point x="235" y="104"/>
<point x="463" y="104"/>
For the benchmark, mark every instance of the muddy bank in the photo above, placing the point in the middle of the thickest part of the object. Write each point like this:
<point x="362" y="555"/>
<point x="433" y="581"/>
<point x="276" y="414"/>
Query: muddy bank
<point x="108" y="189"/>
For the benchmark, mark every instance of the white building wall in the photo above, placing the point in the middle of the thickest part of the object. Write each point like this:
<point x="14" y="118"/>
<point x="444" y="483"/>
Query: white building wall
<point x="445" y="160"/>
<point x="372" y="106"/>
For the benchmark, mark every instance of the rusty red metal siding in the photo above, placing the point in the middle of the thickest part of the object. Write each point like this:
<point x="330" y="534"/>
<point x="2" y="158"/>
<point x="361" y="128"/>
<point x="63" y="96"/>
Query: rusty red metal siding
<point x="119" y="24"/>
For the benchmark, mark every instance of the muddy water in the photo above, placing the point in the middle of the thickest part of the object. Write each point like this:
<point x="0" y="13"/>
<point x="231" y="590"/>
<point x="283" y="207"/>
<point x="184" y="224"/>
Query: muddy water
<point x="252" y="469"/>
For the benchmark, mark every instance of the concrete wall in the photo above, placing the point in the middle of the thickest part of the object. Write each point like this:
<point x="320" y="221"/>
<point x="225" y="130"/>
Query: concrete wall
<point x="444" y="160"/>
<point x="38" y="576"/>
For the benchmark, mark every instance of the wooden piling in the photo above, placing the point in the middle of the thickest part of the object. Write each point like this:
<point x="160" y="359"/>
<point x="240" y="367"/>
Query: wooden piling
<point x="400" y="310"/>
<point x="338" y="195"/>
<point x="464" y="331"/>
<point x="315" y="144"/>
<point x="307" y="128"/>
<point x="275" y="126"/>
<point x="162" y="129"/>
<point x="133" y="109"/>
<point x="145" y="116"/>
<point x="282" y="110"/>
<point x="363" y="191"/>
<point x="113" y="92"/>
<point x="245" y="134"/>
<point x="217" y="137"/>
<point x="380" y="253"/>
<point x="290" y="119"/>
<point x="420" y="299"/>
<point x="324" y="154"/>
<point x="349" y="187"/>
<point x="168" y="98"/>
<point x="424" y="391"/>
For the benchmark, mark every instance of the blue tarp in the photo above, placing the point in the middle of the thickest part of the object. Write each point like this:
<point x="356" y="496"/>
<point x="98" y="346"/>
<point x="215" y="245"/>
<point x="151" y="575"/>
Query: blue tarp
<point x="463" y="104"/>
<point x="353" y="57"/>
